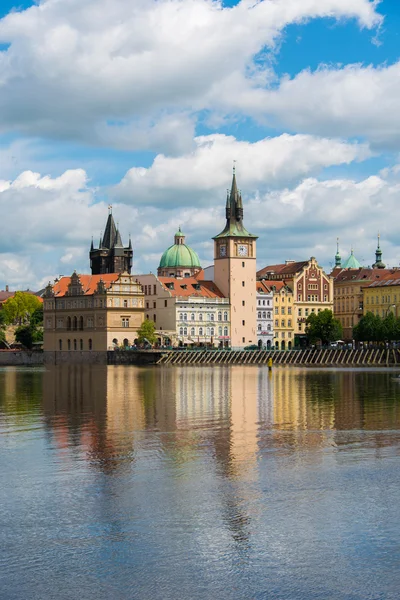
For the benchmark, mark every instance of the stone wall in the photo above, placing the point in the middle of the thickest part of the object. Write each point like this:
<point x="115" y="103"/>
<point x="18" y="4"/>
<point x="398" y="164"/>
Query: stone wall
<point x="75" y="357"/>
<point x="20" y="357"/>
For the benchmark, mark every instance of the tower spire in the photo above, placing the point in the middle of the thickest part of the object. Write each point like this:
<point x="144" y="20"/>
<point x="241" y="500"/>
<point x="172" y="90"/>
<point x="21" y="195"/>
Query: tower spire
<point x="338" y="258"/>
<point x="378" y="264"/>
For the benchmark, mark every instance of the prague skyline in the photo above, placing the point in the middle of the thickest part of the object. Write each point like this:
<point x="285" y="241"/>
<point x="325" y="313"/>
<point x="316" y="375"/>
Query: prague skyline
<point x="151" y="117"/>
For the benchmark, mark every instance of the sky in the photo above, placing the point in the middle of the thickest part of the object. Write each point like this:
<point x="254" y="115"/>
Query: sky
<point x="146" y="104"/>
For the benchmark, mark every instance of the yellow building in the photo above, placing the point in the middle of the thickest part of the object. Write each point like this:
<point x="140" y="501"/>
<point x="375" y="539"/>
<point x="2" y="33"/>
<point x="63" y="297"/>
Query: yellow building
<point x="92" y="313"/>
<point x="307" y="289"/>
<point x="383" y="296"/>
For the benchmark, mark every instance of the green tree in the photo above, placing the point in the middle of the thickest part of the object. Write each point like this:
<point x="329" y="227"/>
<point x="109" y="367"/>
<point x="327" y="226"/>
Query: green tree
<point x="324" y="327"/>
<point x="27" y="335"/>
<point x="371" y="328"/>
<point x="146" y="332"/>
<point x="2" y="327"/>
<point x="19" y="308"/>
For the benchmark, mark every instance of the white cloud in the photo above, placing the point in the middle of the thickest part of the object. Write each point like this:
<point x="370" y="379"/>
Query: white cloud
<point x="200" y="176"/>
<point x="132" y="73"/>
<point x="352" y="101"/>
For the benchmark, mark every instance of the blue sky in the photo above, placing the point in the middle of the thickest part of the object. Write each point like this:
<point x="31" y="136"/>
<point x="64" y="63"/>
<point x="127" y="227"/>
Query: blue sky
<point x="146" y="105"/>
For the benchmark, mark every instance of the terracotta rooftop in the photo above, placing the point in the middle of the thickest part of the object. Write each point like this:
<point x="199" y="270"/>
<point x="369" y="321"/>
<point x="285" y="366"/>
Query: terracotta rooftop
<point x="89" y="283"/>
<point x="190" y="286"/>
<point x="290" y="268"/>
<point x="270" y="286"/>
<point x="391" y="278"/>
<point x="362" y="274"/>
<point x="5" y="295"/>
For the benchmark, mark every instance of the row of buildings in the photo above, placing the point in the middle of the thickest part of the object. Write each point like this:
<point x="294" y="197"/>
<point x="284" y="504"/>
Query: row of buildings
<point x="228" y="304"/>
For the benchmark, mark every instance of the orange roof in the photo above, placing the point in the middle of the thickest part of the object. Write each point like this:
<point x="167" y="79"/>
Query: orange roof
<point x="270" y="286"/>
<point x="190" y="286"/>
<point x="392" y="278"/>
<point x="363" y="274"/>
<point x="290" y="268"/>
<point x="89" y="283"/>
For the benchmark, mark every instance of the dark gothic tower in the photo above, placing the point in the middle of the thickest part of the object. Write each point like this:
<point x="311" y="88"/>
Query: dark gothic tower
<point x="111" y="256"/>
<point x="378" y="264"/>
<point x="338" y="258"/>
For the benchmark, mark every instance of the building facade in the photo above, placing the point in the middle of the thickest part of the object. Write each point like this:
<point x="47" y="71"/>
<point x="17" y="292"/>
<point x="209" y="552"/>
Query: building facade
<point x="111" y="256"/>
<point x="382" y="295"/>
<point x="235" y="270"/>
<point x="187" y="310"/>
<point x="265" y="317"/>
<point x="92" y="312"/>
<point x="308" y="289"/>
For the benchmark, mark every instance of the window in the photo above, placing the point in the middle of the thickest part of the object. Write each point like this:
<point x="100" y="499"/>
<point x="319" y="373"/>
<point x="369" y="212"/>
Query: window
<point x="192" y="317"/>
<point x="75" y="345"/>
<point x="60" y="345"/>
<point x="192" y="331"/>
<point x="306" y="312"/>
<point x="269" y="327"/>
<point x="185" y="317"/>
<point x="180" y="330"/>
<point x="243" y="284"/>
<point x="225" y="315"/>
<point x="154" y="318"/>
<point x="165" y="303"/>
<point x="243" y="340"/>
<point x="81" y="323"/>
<point x="125" y="322"/>
<point x="69" y="323"/>
<point x="220" y="331"/>
<point x="90" y="344"/>
<point x="283" y="323"/>
<point x="289" y="310"/>
<point x="200" y="317"/>
<point x="268" y="315"/>
<point x="242" y="264"/>
<point x="325" y="298"/>
<point x="243" y="323"/>
<point x="211" y="316"/>
<point x="299" y="297"/>
<point x="225" y="331"/>
<point x="154" y="289"/>
<point x="60" y="323"/>
<point x="243" y="303"/>
<point x="81" y="344"/>
<point x="200" y="331"/>
<point x="69" y="344"/>
<point x="289" y="322"/>
<point x="283" y="310"/>
<point x="147" y="304"/>
<point x="207" y="332"/>
<point x="264" y="302"/>
<point x="276" y="310"/>
<point x="282" y="334"/>
<point x="212" y="331"/>
<point x="264" y="315"/>
<point x="276" y="323"/>
<point x="220" y="316"/>
<point x="185" y="330"/>
<point x="259" y="327"/>
<point x="258" y="315"/>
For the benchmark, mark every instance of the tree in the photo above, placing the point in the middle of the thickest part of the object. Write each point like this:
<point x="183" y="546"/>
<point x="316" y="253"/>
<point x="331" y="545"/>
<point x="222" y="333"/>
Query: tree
<point x="146" y="332"/>
<point x="372" y="328"/>
<point x="324" y="327"/>
<point x="2" y="327"/>
<point x="20" y="308"/>
<point x="27" y="335"/>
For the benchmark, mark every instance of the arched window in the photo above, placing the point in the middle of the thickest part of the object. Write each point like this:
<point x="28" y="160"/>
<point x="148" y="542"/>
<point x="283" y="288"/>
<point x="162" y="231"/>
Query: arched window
<point x="212" y="331"/>
<point x="115" y="342"/>
<point x="220" y="316"/>
<point x="268" y="315"/>
<point x="125" y="303"/>
<point x="219" y="330"/>
<point x="200" y="331"/>
<point x="212" y="317"/>
<point x="126" y="343"/>
<point x="200" y="317"/>
<point x="259" y="327"/>
<point x="192" y="331"/>
<point x="208" y="332"/>
<point x="90" y="344"/>
<point x="81" y="344"/>
<point x="269" y="327"/>
<point x="225" y="315"/>
<point x="259" y="315"/>
<point x="69" y="344"/>
<point x="75" y="346"/>
<point x="81" y="323"/>
<point x="192" y="317"/>
<point x="225" y="331"/>
<point x="75" y="323"/>
<point x="60" y="345"/>
<point x="264" y="315"/>
<point x="185" y="331"/>
<point x="69" y="323"/>
<point x="180" y="330"/>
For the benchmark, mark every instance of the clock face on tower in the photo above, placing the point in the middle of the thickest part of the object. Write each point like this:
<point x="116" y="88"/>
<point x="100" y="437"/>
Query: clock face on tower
<point x="222" y="250"/>
<point x="242" y="250"/>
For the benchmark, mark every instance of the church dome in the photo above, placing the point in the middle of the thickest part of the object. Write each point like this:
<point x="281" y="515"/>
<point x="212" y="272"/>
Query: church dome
<point x="352" y="262"/>
<point x="180" y="255"/>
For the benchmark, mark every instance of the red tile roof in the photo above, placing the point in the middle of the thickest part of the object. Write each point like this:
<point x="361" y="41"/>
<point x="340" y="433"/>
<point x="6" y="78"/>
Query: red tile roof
<point x="290" y="268"/>
<point x="270" y="286"/>
<point x="89" y="283"/>
<point x="364" y="274"/>
<point x="190" y="286"/>
<point x="392" y="278"/>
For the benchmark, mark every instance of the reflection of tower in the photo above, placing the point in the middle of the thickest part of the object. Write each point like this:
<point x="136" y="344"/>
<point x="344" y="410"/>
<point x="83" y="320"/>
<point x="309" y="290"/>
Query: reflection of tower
<point x="235" y="270"/>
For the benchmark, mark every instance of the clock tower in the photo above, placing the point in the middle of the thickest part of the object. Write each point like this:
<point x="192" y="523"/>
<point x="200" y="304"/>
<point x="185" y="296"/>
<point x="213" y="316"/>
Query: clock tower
<point x="235" y="270"/>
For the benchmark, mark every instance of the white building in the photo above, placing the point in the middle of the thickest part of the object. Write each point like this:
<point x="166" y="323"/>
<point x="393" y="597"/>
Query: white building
<point x="187" y="310"/>
<point x="265" y="311"/>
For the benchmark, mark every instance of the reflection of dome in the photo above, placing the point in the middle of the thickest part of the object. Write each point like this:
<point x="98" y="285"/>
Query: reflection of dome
<point x="179" y="256"/>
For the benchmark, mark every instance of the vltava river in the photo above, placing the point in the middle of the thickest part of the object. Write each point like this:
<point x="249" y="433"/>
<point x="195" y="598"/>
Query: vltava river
<point x="199" y="483"/>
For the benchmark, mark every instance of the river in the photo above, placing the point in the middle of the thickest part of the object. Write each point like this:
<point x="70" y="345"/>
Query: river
<point x="189" y="483"/>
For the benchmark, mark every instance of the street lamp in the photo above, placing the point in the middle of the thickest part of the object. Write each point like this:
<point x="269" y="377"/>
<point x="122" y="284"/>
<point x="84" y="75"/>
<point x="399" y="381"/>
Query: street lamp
<point x="389" y="307"/>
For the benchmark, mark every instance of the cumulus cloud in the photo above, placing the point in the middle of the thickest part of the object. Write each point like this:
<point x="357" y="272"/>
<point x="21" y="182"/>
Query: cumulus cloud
<point x="199" y="176"/>
<point x="136" y="73"/>
<point x="352" y="101"/>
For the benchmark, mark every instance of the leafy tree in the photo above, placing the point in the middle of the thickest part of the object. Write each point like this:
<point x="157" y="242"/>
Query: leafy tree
<point x="372" y="328"/>
<point x="146" y="332"/>
<point x="2" y="327"/>
<point x="324" y="327"/>
<point x="20" y="308"/>
<point x="28" y="334"/>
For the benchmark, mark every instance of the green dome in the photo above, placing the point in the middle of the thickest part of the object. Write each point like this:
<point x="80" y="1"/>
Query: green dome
<point x="352" y="262"/>
<point x="179" y="255"/>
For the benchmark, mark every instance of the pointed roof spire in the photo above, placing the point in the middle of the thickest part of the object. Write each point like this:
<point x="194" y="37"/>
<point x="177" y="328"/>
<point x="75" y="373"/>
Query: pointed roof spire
<point x="378" y="264"/>
<point x="110" y="232"/>
<point x="91" y="245"/>
<point x="118" y="241"/>
<point x="338" y="258"/>
<point x="130" y="242"/>
<point x="234" y="212"/>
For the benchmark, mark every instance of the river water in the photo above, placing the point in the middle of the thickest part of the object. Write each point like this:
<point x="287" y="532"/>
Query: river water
<point x="199" y="483"/>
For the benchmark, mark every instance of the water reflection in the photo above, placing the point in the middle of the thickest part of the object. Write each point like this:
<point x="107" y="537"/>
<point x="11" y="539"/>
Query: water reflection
<point x="198" y="482"/>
